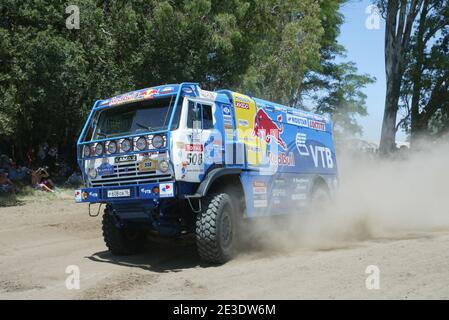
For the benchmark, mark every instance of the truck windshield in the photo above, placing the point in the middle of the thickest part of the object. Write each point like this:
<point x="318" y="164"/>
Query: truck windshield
<point x="132" y="118"/>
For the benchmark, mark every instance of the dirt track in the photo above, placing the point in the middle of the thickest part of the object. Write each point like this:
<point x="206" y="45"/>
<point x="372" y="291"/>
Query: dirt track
<point x="38" y="240"/>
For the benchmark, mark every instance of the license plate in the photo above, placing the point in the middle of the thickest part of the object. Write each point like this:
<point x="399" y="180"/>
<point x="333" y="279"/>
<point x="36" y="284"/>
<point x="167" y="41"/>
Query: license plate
<point x="147" y="165"/>
<point x="119" y="193"/>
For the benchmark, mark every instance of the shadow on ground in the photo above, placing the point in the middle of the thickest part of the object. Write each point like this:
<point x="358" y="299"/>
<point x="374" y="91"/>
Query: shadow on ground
<point x="157" y="257"/>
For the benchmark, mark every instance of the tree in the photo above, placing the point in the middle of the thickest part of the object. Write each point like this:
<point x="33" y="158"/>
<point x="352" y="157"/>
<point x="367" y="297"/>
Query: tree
<point x="50" y="76"/>
<point x="333" y="87"/>
<point x="400" y="16"/>
<point x="425" y="95"/>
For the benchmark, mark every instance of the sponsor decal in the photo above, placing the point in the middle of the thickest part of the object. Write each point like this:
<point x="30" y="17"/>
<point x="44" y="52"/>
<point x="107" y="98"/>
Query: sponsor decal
<point x="125" y="159"/>
<point x="278" y="192"/>
<point x="259" y="194"/>
<point x="260" y="203"/>
<point x="187" y="90"/>
<point x="78" y="197"/>
<point x="259" y="187"/>
<point x="321" y="156"/>
<point x="194" y="147"/>
<point x="208" y="94"/>
<point x="132" y="96"/>
<point x="242" y="105"/>
<point x="226" y="111"/>
<point x="301" y="139"/>
<point x="167" y="89"/>
<point x="146" y="191"/>
<point x="105" y="168"/>
<point x="297" y="121"/>
<point x="282" y="159"/>
<point x="265" y="128"/>
<point x="317" y="125"/>
<point x="166" y="190"/>
<point x="300" y="196"/>
<point x="324" y="154"/>
<point x="243" y="123"/>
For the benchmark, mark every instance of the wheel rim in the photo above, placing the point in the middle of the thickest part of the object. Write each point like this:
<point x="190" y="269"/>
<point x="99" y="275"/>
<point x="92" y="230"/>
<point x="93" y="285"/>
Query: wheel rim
<point x="226" y="228"/>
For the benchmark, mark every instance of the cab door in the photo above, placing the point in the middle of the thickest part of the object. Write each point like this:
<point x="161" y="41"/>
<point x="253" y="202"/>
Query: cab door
<point x="198" y="144"/>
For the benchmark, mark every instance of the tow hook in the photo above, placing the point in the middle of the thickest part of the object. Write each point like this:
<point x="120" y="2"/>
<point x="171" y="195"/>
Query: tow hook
<point x="98" y="212"/>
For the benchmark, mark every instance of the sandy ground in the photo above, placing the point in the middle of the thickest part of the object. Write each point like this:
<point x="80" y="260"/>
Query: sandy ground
<point x="39" y="239"/>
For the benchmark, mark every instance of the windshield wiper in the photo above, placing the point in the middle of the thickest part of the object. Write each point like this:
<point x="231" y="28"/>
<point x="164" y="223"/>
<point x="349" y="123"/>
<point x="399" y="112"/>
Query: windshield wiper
<point x="144" y="127"/>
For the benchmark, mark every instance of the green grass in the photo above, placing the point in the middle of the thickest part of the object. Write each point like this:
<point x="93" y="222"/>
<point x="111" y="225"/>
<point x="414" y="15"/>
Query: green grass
<point x="30" y="194"/>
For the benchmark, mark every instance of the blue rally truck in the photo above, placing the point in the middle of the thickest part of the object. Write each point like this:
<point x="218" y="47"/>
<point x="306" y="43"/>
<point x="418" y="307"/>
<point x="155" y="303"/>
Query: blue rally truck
<point x="178" y="160"/>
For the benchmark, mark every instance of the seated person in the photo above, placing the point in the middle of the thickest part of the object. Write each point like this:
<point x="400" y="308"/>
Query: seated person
<point x="40" y="179"/>
<point x="5" y="184"/>
<point x="76" y="179"/>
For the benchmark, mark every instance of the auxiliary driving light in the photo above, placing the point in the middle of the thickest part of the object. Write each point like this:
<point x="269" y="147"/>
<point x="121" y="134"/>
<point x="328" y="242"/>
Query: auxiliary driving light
<point x="157" y="141"/>
<point x="86" y="151"/>
<point x="92" y="173"/>
<point x="99" y="149"/>
<point x="141" y="143"/>
<point x="112" y="147"/>
<point x="163" y="165"/>
<point x="126" y="145"/>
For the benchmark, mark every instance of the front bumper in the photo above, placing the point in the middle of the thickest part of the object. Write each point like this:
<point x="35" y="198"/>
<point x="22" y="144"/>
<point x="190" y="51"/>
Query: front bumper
<point x="151" y="191"/>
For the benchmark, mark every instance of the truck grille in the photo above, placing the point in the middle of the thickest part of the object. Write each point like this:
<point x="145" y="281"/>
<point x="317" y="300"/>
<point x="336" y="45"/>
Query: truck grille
<point x="128" y="174"/>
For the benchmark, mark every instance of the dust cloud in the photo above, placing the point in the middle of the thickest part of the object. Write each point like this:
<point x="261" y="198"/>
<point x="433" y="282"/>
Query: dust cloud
<point x="402" y="197"/>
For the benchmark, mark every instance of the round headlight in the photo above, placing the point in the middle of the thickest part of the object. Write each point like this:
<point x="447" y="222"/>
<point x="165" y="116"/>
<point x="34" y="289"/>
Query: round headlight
<point x="163" y="166"/>
<point x="99" y="149"/>
<point x="86" y="151"/>
<point x="126" y="145"/>
<point x="112" y="147"/>
<point x="92" y="173"/>
<point x="157" y="142"/>
<point x="141" y="143"/>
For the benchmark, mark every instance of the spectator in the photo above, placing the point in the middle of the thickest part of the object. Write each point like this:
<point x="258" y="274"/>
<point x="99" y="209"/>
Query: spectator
<point x="75" y="179"/>
<point x="5" y="184"/>
<point x="30" y="157"/>
<point x="41" y="154"/>
<point x="52" y="157"/>
<point x="5" y="162"/>
<point x="40" y="180"/>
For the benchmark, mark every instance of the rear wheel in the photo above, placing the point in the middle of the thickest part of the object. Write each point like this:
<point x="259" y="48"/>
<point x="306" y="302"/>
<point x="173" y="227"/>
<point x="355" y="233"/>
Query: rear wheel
<point x="124" y="241"/>
<point x="320" y="198"/>
<point x="216" y="227"/>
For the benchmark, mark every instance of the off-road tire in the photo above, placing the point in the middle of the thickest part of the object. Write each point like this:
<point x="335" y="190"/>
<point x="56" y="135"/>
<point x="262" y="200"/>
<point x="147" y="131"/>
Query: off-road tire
<point x="121" y="242"/>
<point x="320" y="197"/>
<point x="216" y="229"/>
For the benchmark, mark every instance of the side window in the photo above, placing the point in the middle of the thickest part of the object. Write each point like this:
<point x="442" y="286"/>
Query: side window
<point x="191" y="114"/>
<point x="202" y="109"/>
<point x="208" y="122"/>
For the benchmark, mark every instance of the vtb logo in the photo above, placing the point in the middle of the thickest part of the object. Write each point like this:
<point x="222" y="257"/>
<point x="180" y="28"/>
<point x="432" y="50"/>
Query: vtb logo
<point x="321" y="156"/>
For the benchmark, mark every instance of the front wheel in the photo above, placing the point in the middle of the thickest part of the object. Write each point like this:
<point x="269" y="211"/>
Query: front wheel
<point x="216" y="227"/>
<point x="124" y="241"/>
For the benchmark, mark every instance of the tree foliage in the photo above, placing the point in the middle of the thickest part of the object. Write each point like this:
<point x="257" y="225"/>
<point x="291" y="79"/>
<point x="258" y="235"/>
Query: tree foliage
<point x="280" y="50"/>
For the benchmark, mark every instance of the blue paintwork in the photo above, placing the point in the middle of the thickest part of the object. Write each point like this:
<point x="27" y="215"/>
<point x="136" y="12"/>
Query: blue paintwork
<point x="304" y="152"/>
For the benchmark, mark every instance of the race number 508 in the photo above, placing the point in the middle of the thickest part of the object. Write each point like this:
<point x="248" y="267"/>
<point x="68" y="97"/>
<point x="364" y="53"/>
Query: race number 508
<point x="195" y="159"/>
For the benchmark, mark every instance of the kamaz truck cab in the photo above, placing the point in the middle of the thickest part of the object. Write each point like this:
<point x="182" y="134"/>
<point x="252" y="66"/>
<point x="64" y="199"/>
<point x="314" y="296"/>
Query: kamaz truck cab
<point x="177" y="160"/>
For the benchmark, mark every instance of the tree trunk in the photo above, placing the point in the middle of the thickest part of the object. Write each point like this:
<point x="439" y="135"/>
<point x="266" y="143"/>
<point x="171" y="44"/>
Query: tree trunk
<point x="388" y="135"/>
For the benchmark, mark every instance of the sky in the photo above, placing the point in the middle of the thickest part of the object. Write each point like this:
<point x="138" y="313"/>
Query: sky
<point x="365" y="47"/>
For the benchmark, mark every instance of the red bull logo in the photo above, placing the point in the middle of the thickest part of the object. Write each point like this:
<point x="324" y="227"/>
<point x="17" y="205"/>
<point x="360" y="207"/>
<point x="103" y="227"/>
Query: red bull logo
<point x="265" y="128"/>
